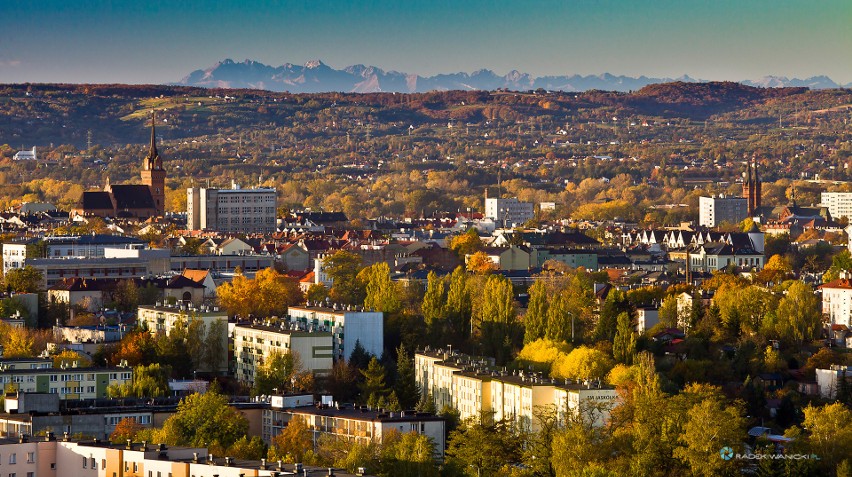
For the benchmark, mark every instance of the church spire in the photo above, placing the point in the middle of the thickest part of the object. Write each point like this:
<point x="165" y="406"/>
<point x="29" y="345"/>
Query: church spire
<point x="152" y="160"/>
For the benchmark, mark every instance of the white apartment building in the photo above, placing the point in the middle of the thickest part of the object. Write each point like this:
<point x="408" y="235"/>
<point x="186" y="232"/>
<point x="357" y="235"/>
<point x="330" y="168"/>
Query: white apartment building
<point x="829" y="380"/>
<point x="713" y="211"/>
<point x="839" y="204"/>
<point x="354" y="423"/>
<point x="837" y="301"/>
<point x="347" y="326"/>
<point x="254" y="344"/>
<point x="509" y="212"/>
<point x="25" y="155"/>
<point x="471" y="387"/>
<point x="164" y="318"/>
<point x="231" y="210"/>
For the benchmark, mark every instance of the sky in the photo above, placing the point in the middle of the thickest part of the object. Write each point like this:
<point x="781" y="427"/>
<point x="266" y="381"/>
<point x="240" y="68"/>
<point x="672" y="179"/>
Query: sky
<point x="98" y="41"/>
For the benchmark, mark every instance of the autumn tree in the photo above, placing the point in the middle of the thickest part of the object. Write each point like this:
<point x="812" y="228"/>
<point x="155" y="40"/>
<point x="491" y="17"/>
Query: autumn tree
<point x="293" y="442"/>
<point x="69" y="358"/>
<point x="268" y="294"/>
<point x="126" y="428"/>
<point x="583" y="363"/>
<point x="466" y="244"/>
<point x="481" y="263"/>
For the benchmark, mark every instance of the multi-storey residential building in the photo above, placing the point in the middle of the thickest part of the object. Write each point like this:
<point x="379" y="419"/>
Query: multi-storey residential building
<point x="839" y="204"/>
<point x="837" y="301"/>
<point x="509" y="212"/>
<point x="231" y="210"/>
<point x="68" y="383"/>
<point x="254" y="344"/>
<point x="348" y="326"/>
<point x="714" y="211"/>
<point x="472" y="386"/>
<point x="832" y="379"/>
<point x="49" y="457"/>
<point x="164" y="318"/>
<point x="355" y="423"/>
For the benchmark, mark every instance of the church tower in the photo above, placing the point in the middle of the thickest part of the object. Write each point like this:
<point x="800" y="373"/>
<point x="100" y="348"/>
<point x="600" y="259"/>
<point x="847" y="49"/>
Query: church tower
<point x="752" y="188"/>
<point x="153" y="174"/>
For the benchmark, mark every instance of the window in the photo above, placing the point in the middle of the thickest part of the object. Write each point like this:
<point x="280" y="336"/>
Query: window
<point x="103" y="463"/>
<point x="85" y="461"/>
<point x="30" y="457"/>
<point x="13" y="458"/>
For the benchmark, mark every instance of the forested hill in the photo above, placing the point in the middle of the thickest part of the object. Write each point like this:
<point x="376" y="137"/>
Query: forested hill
<point x="63" y="114"/>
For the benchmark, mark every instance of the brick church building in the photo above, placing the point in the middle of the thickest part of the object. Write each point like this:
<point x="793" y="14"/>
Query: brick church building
<point x="131" y="201"/>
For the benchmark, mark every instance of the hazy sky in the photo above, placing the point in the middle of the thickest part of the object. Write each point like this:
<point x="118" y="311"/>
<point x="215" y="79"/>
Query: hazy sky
<point x="158" y="42"/>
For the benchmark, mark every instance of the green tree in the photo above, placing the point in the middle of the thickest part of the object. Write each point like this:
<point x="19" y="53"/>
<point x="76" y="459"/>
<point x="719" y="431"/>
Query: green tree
<point x="24" y="280"/>
<point x="482" y="446"/>
<point x="710" y="426"/>
<point x="624" y="346"/>
<point x="434" y="306"/>
<point x="407" y="390"/>
<point x="615" y="304"/>
<point x="497" y="318"/>
<point x="204" y="420"/>
<point x="148" y="382"/>
<point x="275" y="372"/>
<point x="126" y="295"/>
<point x="459" y="308"/>
<point x="407" y="455"/>
<point x="247" y="449"/>
<point x="560" y="318"/>
<point x="343" y="267"/>
<point x="216" y="346"/>
<point x="382" y="293"/>
<point x="535" y="320"/>
<point x="799" y="317"/>
<point x="316" y="293"/>
<point x="373" y="388"/>
<point x="829" y="433"/>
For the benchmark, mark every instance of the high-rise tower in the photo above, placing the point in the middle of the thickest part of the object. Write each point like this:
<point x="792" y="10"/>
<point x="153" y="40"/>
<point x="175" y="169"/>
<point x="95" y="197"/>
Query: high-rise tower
<point x="153" y="174"/>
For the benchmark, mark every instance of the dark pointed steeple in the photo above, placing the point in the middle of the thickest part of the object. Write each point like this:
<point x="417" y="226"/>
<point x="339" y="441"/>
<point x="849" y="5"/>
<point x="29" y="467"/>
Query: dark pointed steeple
<point x="152" y="161"/>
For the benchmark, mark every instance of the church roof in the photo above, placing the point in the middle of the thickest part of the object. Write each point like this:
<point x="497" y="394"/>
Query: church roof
<point x="132" y="196"/>
<point x="96" y="200"/>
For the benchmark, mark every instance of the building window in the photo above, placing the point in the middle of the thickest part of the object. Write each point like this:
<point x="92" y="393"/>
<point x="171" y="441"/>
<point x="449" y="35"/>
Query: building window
<point x="13" y="458"/>
<point x="30" y="457"/>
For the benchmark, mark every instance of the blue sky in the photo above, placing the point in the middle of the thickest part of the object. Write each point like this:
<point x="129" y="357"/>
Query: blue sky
<point x="157" y="42"/>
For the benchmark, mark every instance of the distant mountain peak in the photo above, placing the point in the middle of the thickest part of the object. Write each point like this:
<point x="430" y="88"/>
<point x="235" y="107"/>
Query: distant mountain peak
<point x="315" y="76"/>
